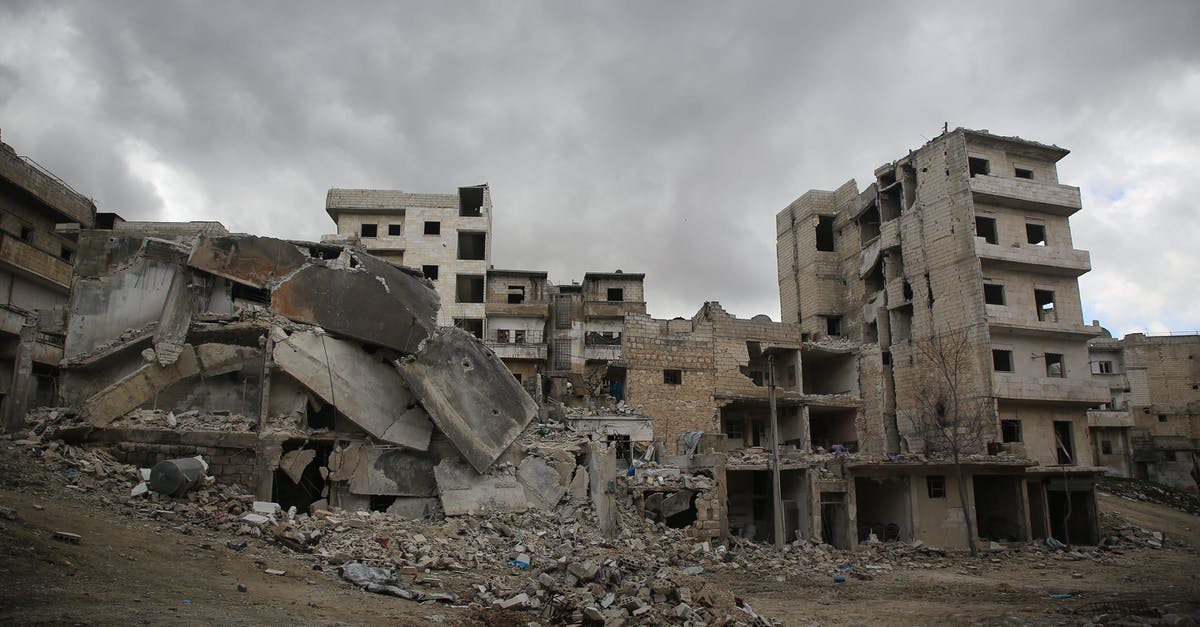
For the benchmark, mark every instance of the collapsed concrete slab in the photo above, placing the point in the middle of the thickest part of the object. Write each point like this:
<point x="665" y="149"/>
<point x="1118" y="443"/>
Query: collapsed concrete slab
<point x="254" y="261"/>
<point x="359" y="386"/>
<point x="542" y="483"/>
<point x="464" y="491"/>
<point x="391" y="471"/>
<point x="370" y="300"/>
<point x="470" y="394"/>
<point x="130" y="392"/>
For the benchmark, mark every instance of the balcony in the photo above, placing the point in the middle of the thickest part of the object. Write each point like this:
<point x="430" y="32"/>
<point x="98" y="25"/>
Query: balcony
<point x="35" y="263"/>
<point x="1059" y="200"/>
<point x="1109" y="418"/>
<point x="1006" y="385"/>
<point x="1004" y="319"/>
<point x="600" y="347"/>
<point x="534" y="309"/>
<point x="1029" y="258"/>
<point x="612" y="308"/>
<point x="510" y="350"/>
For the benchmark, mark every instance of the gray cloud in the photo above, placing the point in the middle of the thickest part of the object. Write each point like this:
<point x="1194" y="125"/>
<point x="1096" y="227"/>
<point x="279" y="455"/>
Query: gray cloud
<point x="657" y="137"/>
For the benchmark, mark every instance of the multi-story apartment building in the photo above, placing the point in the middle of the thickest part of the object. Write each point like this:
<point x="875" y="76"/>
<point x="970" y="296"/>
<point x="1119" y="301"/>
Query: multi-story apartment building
<point x="446" y="236"/>
<point x="36" y="262"/>
<point x="1151" y="427"/>
<point x="568" y="333"/>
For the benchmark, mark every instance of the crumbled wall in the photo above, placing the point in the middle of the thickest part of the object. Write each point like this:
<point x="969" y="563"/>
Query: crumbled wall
<point x="649" y="349"/>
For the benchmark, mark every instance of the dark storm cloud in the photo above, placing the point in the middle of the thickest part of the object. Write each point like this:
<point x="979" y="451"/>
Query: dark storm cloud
<point x="658" y="137"/>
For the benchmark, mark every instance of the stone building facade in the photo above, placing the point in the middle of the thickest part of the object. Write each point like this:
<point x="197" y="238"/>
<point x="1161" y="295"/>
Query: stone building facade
<point x="36" y="265"/>
<point x="446" y="236"/>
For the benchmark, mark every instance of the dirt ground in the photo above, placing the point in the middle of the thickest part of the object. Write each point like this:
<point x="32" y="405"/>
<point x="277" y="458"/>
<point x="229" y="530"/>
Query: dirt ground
<point x="127" y="570"/>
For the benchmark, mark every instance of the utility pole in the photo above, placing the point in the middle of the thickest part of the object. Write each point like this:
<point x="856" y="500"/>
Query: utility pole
<point x="777" y="504"/>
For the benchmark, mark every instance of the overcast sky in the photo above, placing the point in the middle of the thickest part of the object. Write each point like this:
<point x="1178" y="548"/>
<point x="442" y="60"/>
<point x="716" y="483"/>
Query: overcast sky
<point x="656" y="137"/>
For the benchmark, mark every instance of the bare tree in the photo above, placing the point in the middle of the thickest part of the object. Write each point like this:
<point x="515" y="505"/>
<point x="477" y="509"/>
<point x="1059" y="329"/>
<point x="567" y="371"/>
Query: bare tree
<point x="951" y="419"/>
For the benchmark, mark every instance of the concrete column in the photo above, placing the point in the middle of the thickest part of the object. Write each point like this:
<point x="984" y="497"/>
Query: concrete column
<point x="602" y="467"/>
<point x="17" y="403"/>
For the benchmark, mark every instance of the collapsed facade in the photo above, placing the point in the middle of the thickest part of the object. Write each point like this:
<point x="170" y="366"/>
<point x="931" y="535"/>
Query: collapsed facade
<point x="1150" y="429"/>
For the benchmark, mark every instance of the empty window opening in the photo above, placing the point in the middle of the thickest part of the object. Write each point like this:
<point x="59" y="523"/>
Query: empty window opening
<point x="1106" y="447"/>
<point x="882" y="504"/>
<point x="868" y="224"/>
<point x="978" y="166"/>
<point x="471" y="245"/>
<point x="369" y="230"/>
<point x="1063" y="442"/>
<point x="825" y="233"/>
<point x="393" y="230"/>
<point x="502" y="336"/>
<point x="1162" y="417"/>
<point x="516" y="294"/>
<point x="906" y="288"/>
<point x="27" y="234"/>
<point x="519" y="336"/>
<point x="998" y="511"/>
<point x="993" y="294"/>
<point x="1010" y="430"/>
<point x="886" y="358"/>
<point x="66" y="254"/>
<point x="901" y="324"/>
<point x="474" y="326"/>
<point x="1045" y="305"/>
<point x="239" y="291"/>
<point x="673" y="377"/>
<point x="470" y="201"/>
<point x="833" y="325"/>
<point x="889" y="204"/>
<point x="430" y="272"/>
<point x="1002" y="360"/>
<point x="1035" y="233"/>
<point x="562" y="354"/>
<point x="468" y="288"/>
<point x="1104" y="367"/>
<point x="433" y="227"/>
<point x="985" y="227"/>
<point x="1022" y="173"/>
<point x="835" y="519"/>
<point x="1055" y="367"/>
<point x="935" y="486"/>
<point x="562" y="311"/>
<point x="616" y="294"/>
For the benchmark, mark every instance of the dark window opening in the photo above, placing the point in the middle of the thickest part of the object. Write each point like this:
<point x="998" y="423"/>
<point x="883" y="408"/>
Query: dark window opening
<point x="474" y="326"/>
<point x="517" y="376"/>
<point x="616" y="293"/>
<point x="978" y="166"/>
<point x="1035" y="233"/>
<point x="1022" y="173"/>
<point x="869" y="225"/>
<point x="1063" y="443"/>
<point x="886" y="356"/>
<point x="1104" y="367"/>
<point x="1106" y="447"/>
<point x="1002" y="360"/>
<point x="468" y="288"/>
<point x="27" y="234"/>
<point x="502" y="336"/>
<point x="1045" y="305"/>
<point x="470" y="201"/>
<point x="1010" y="430"/>
<point x="825" y="233"/>
<point x="239" y="291"/>
<point x="516" y="294"/>
<point x="673" y="377"/>
<point x="936" y="486"/>
<point x="471" y="245"/>
<point x="1162" y="417"/>
<point x="907" y="290"/>
<point x="519" y="336"/>
<point x="1055" y="367"/>
<point x="986" y="228"/>
<point x="369" y="230"/>
<point x="833" y="325"/>
<point x="993" y="294"/>
<point x="430" y="272"/>
<point x="66" y="254"/>
<point x="433" y="227"/>
<point x="393" y="230"/>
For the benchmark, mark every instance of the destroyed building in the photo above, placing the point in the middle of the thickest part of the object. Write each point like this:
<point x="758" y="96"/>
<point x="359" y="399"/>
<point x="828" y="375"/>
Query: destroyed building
<point x="314" y="374"/>
<point x="446" y="236"/>
<point x="35" y="279"/>
<point x="967" y="236"/>
<point x="564" y="334"/>
<point x="1150" y="429"/>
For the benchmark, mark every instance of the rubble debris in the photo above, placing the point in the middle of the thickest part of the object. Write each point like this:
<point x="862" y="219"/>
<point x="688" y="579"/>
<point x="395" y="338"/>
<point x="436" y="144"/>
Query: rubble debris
<point x="359" y="386"/>
<point x="463" y="491"/>
<point x="470" y="394"/>
<point x="387" y="581"/>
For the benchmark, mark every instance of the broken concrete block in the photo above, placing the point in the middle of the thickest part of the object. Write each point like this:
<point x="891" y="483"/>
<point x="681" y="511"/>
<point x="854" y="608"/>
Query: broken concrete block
<point x="541" y="482"/>
<point x="218" y="359"/>
<point x="395" y="472"/>
<point x="470" y="394"/>
<point x="413" y="508"/>
<point x="463" y="490"/>
<point x="585" y="570"/>
<point x="363" y="389"/>
<point x="131" y="391"/>
<point x="171" y="334"/>
<point x="676" y="503"/>
<point x="371" y="301"/>
<point x="579" y="484"/>
<point x="293" y="463"/>
<point x="247" y="259"/>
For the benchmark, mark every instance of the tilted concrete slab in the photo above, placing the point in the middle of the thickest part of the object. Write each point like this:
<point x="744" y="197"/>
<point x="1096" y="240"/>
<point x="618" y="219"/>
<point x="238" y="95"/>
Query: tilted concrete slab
<point x="395" y="472"/>
<point x="464" y="491"/>
<point x="364" y="389"/>
<point x="247" y="259"/>
<point x="131" y="391"/>
<point x="542" y="482"/>
<point x="371" y="301"/>
<point x="171" y="334"/>
<point x="470" y="394"/>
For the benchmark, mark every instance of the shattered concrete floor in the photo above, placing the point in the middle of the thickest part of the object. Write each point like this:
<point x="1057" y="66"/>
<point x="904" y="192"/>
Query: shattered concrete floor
<point x="162" y="561"/>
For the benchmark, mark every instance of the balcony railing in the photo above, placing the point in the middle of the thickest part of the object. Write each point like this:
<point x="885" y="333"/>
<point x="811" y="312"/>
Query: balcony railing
<point x="596" y="338"/>
<point x="34" y="261"/>
<point x="1041" y="259"/>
